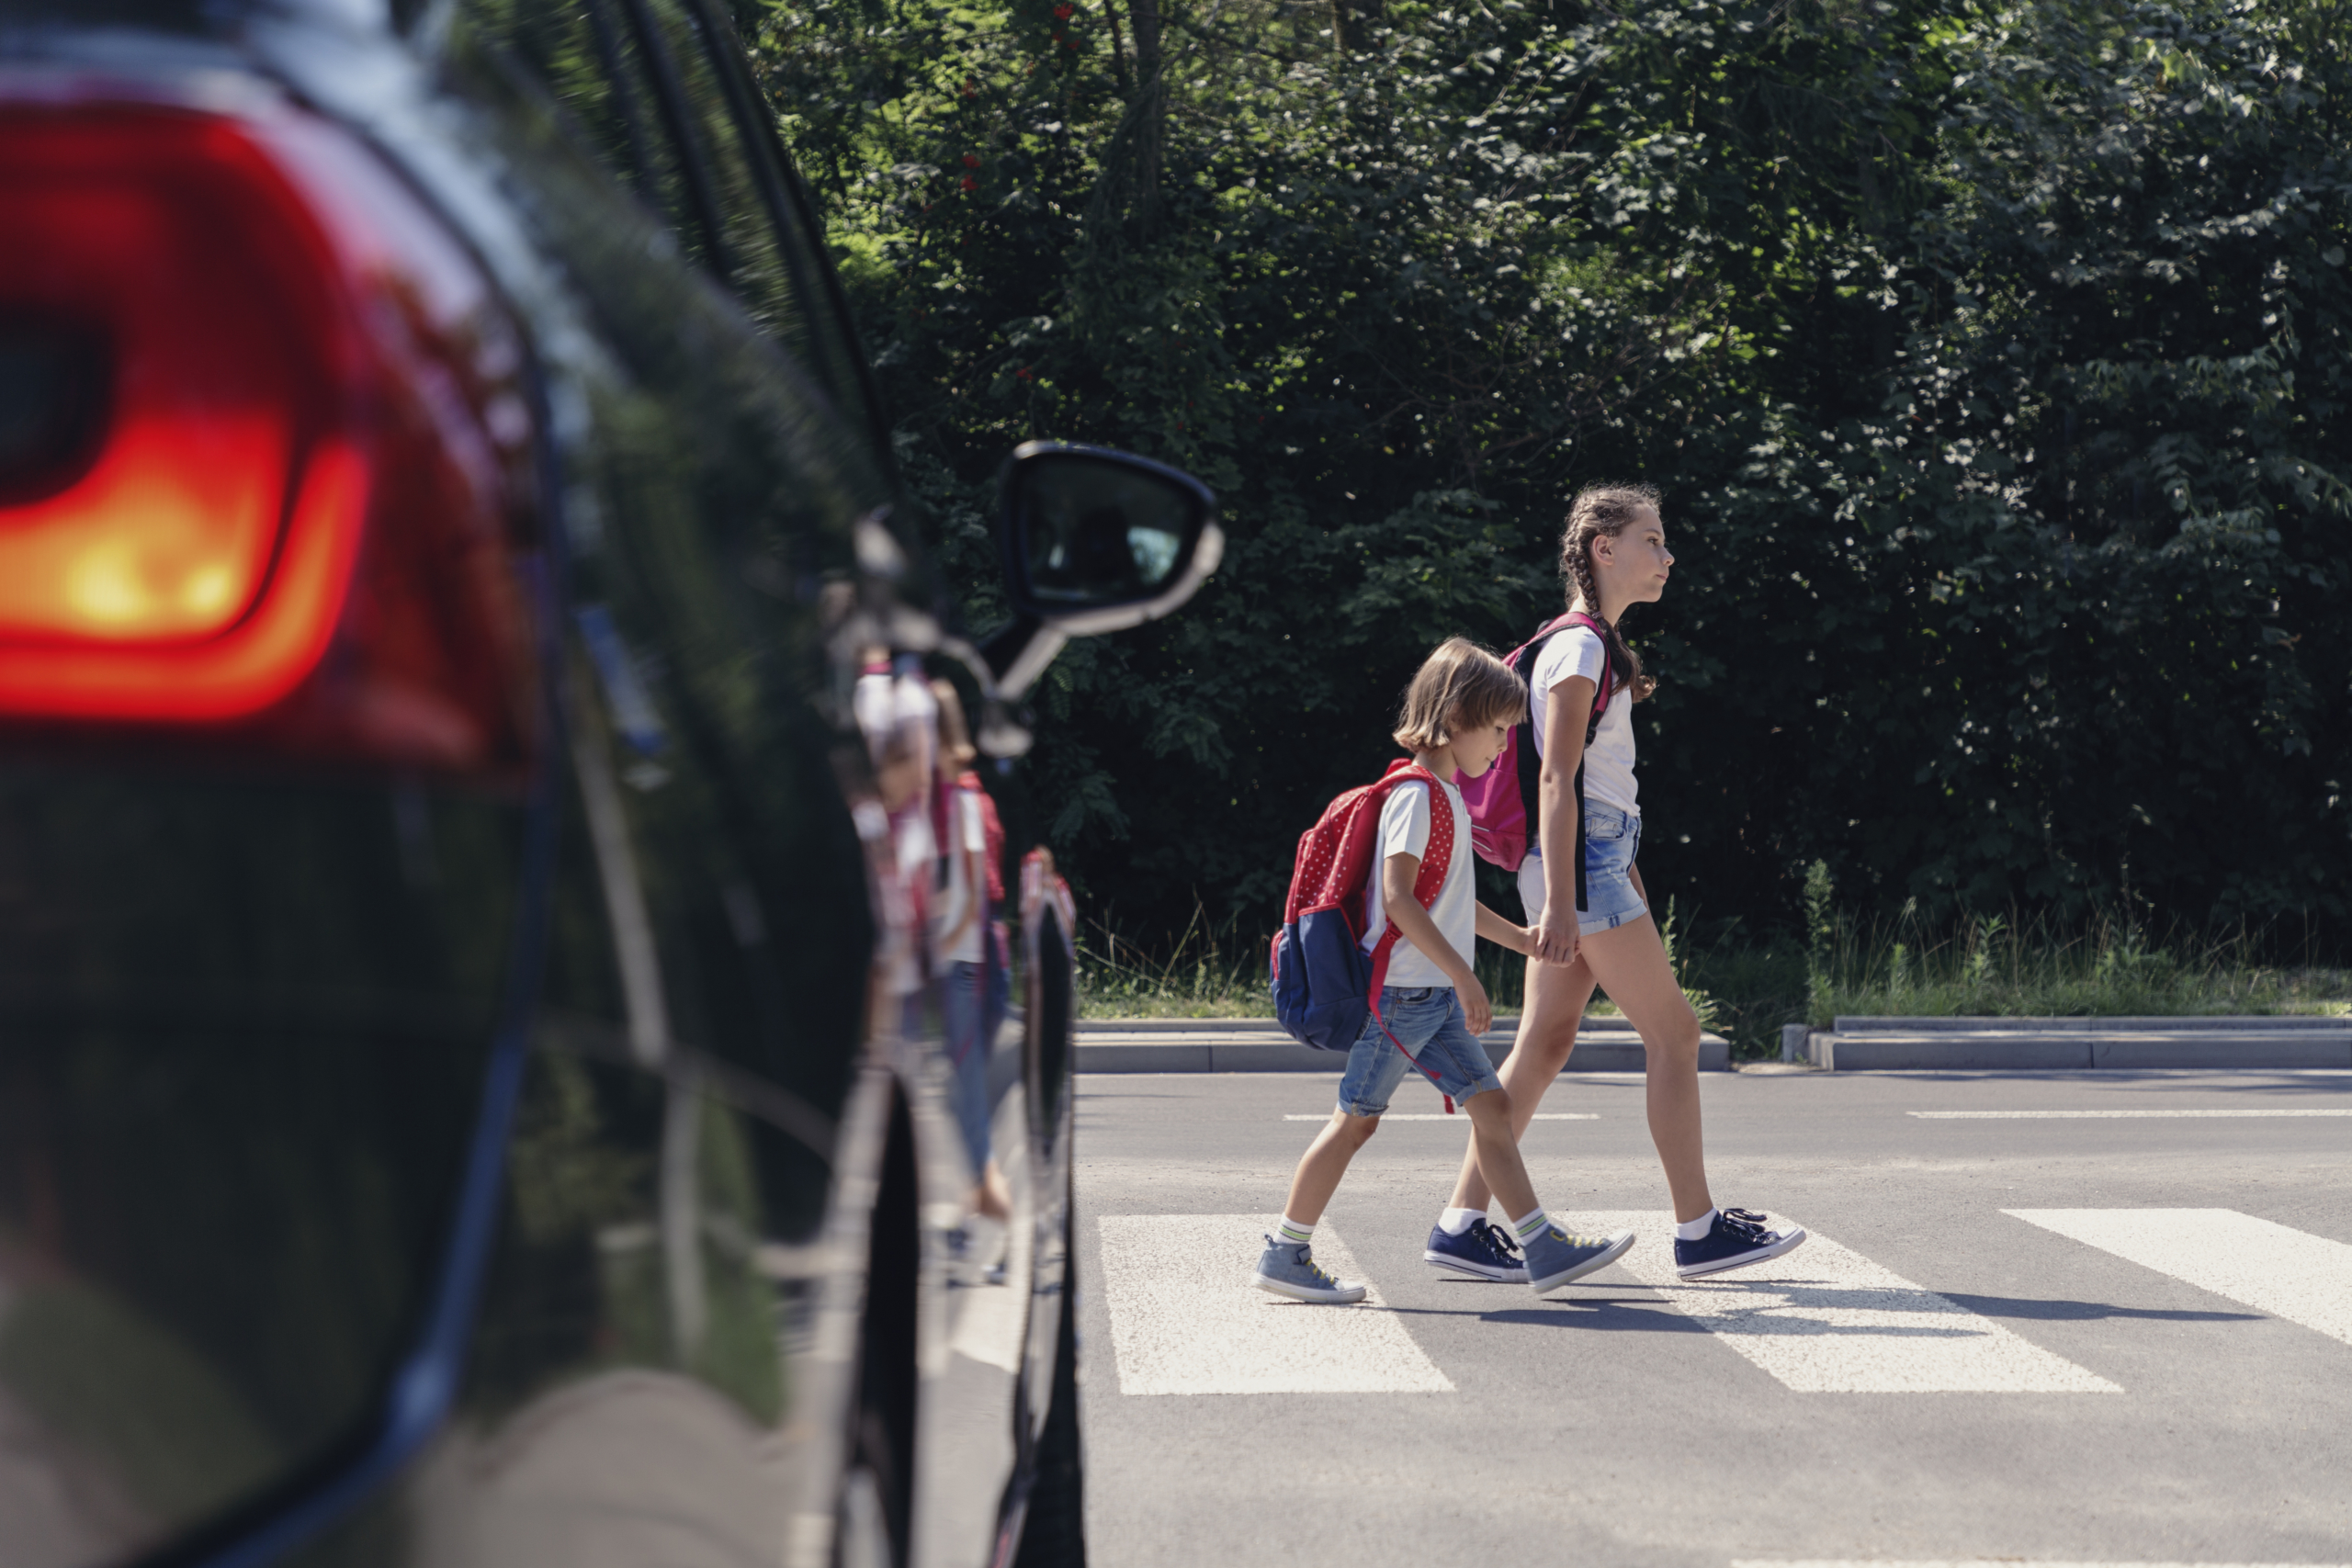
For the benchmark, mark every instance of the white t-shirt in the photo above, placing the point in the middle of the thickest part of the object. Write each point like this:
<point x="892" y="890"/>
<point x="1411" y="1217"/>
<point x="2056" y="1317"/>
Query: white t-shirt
<point x="1405" y="831"/>
<point x="1609" y="761"/>
<point x="965" y="832"/>
<point x="888" y="706"/>
<point x="917" y="851"/>
<point x="875" y="708"/>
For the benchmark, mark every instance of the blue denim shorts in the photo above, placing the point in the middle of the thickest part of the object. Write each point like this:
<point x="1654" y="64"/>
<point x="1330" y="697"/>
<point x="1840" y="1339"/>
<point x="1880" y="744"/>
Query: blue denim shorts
<point x="1428" y="1021"/>
<point x="1612" y="840"/>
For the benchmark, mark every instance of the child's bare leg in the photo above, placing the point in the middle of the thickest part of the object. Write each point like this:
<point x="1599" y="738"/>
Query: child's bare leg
<point x="991" y="1197"/>
<point x="1496" y="1143"/>
<point x="1325" y="1162"/>
<point x="1556" y="995"/>
<point x="1630" y="963"/>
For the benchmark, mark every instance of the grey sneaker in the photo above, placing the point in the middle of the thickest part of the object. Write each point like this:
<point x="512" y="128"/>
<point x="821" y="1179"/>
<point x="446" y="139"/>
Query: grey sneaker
<point x="1291" y="1271"/>
<point x="1556" y="1258"/>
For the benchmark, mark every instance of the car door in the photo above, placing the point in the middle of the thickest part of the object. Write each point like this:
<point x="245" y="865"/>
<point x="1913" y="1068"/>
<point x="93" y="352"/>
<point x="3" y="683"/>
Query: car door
<point x="462" y="1106"/>
<point x="732" y="467"/>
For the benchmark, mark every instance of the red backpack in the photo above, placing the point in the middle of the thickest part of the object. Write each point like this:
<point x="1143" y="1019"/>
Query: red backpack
<point x="1505" y="803"/>
<point x="1326" y="985"/>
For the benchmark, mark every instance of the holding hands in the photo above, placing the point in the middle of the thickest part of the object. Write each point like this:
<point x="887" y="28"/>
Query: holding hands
<point x="1553" y="944"/>
<point x="1553" y="941"/>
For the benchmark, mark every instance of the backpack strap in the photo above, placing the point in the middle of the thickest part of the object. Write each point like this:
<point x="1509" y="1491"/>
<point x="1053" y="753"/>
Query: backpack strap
<point x="1437" y="856"/>
<point x="942" y="829"/>
<point x="991" y="833"/>
<point x="1619" y="670"/>
<point x="1612" y="677"/>
<point x="1531" y="766"/>
<point x="1436" y="859"/>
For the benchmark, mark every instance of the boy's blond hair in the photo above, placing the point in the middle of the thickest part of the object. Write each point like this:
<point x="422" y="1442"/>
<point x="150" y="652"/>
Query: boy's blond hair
<point x="1458" y="682"/>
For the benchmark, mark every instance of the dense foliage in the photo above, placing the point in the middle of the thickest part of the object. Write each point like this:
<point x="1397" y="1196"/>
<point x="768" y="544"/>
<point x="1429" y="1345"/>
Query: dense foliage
<point x="1993" y="361"/>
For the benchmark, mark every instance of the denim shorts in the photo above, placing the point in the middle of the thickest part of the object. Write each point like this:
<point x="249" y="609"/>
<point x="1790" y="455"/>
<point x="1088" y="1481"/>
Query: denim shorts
<point x="1612" y="840"/>
<point x="1428" y="1021"/>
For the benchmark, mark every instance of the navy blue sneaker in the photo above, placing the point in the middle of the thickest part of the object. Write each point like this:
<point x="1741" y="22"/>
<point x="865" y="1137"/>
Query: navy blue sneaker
<point x="1481" y="1252"/>
<point x="1737" y="1238"/>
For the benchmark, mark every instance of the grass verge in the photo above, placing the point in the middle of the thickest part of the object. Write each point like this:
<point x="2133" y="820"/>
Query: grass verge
<point x="1745" y="986"/>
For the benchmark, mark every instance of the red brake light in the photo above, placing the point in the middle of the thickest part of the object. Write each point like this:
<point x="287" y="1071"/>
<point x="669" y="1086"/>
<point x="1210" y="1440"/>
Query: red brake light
<point x="263" y="465"/>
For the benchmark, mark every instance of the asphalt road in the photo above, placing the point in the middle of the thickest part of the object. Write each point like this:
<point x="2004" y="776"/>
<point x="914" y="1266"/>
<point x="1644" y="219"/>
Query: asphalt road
<point x="2121" y="1338"/>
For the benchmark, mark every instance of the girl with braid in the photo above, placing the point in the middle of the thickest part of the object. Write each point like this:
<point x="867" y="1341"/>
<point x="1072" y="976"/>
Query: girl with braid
<point x="1613" y="556"/>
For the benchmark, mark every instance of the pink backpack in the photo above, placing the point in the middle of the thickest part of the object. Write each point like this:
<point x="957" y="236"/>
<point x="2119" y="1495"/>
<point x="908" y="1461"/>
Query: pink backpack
<point x="1504" y="811"/>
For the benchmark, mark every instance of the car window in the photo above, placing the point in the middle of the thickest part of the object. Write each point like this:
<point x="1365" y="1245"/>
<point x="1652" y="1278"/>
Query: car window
<point x="659" y="96"/>
<point x="775" y="266"/>
<point x="584" y="53"/>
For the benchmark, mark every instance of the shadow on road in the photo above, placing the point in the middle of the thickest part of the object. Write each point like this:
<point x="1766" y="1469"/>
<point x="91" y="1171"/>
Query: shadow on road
<point x="2069" y="1312"/>
<point x="1576" y="1312"/>
<point x="1755" y="1307"/>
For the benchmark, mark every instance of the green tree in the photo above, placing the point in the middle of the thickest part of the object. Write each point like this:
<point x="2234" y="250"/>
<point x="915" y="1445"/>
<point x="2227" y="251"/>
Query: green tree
<point x="1987" y="358"/>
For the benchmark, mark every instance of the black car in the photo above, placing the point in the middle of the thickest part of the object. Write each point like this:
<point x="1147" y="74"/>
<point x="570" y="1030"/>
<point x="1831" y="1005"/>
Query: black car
<point x="472" y="1087"/>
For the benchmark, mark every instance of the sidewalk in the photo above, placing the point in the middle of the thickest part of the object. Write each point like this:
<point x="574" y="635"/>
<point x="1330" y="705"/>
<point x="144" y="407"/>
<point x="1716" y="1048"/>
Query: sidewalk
<point x="2069" y="1044"/>
<point x="1259" y="1045"/>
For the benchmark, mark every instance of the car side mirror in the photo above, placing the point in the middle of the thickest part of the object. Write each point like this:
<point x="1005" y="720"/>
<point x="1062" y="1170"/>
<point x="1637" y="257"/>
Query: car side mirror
<point x="1095" y="541"/>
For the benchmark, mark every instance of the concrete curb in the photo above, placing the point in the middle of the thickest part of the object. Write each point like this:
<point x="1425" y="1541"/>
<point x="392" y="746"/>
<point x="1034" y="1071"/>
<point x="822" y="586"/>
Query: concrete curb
<point x="2227" y="1023"/>
<point x="1259" y="1045"/>
<point x="2070" y="1045"/>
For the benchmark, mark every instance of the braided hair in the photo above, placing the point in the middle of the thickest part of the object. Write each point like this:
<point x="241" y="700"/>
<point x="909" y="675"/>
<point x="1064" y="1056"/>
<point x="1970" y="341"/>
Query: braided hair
<point x="1607" y="509"/>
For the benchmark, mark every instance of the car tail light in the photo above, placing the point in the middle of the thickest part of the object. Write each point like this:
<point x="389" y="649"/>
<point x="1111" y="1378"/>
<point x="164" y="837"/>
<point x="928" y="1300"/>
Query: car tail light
<point x="265" y="467"/>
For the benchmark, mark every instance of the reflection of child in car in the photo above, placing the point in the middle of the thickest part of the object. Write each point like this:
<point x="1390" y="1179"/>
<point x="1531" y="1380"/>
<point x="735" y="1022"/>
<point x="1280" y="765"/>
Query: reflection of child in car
<point x="966" y="942"/>
<point x="940" y="827"/>
<point x="897" y="714"/>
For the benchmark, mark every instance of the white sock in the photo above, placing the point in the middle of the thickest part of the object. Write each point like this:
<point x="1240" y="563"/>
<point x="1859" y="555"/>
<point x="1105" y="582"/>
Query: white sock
<point x="1696" y="1230"/>
<point x="1294" y="1233"/>
<point x="1528" y="1226"/>
<point x="1453" y="1221"/>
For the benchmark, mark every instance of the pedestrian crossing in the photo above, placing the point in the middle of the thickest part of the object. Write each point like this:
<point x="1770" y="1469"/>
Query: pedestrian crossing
<point x="1442" y="1116"/>
<point x="1824" y="1319"/>
<point x="1827" y="1320"/>
<point x="2003" y="1562"/>
<point x="2304" y="1279"/>
<point x="1185" y="1318"/>
<point x="2163" y="1113"/>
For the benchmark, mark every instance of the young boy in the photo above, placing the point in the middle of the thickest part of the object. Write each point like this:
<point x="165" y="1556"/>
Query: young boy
<point x="1432" y="1009"/>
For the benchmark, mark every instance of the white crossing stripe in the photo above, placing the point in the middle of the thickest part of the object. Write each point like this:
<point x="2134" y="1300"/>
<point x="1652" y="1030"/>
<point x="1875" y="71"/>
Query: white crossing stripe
<point x="2304" y="1279"/>
<point x="1186" y="1318"/>
<point x="991" y="1321"/>
<point x="2004" y="1562"/>
<point x="1441" y="1116"/>
<point x="2122" y="1115"/>
<point x="1824" y="1319"/>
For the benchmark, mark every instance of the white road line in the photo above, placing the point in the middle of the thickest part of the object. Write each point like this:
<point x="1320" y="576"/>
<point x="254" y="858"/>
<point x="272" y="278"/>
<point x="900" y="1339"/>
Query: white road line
<point x="2002" y="1562"/>
<point x="2117" y="1115"/>
<point x="1827" y="1320"/>
<point x="1441" y="1116"/>
<point x="2287" y="1273"/>
<point x="1185" y="1319"/>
